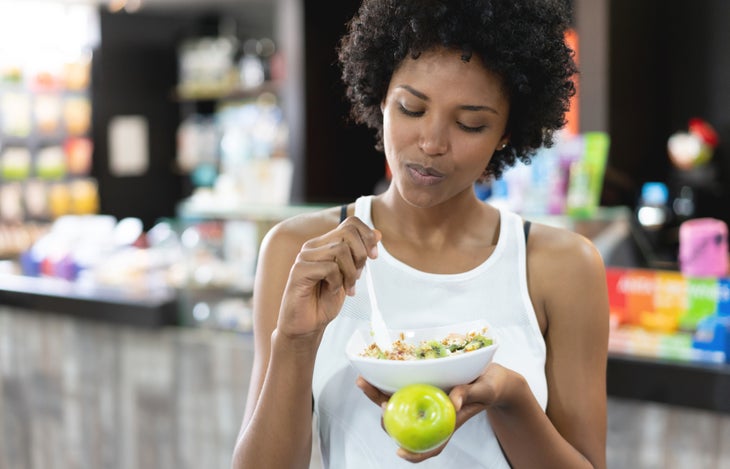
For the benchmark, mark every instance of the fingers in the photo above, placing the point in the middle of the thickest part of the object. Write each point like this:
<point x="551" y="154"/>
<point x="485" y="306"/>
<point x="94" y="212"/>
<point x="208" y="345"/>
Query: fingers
<point x="345" y="249"/>
<point x="324" y="271"/>
<point x="418" y="457"/>
<point x="475" y="397"/>
<point x="373" y="393"/>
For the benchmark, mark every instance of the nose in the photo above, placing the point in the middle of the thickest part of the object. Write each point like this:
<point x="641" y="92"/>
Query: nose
<point x="434" y="138"/>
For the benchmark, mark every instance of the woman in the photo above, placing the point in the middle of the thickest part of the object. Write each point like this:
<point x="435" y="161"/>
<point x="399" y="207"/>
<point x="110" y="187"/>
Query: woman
<point x="457" y="91"/>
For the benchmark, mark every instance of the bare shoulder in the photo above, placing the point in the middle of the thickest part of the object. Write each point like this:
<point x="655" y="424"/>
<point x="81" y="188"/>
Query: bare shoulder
<point x="291" y="233"/>
<point x="561" y="249"/>
<point x="562" y="266"/>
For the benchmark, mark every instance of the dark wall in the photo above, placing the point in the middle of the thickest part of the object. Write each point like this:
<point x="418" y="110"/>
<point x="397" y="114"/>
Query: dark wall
<point x="668" y="62"/>
<point x="341" y="161"/>
<point x="134" y="73"/>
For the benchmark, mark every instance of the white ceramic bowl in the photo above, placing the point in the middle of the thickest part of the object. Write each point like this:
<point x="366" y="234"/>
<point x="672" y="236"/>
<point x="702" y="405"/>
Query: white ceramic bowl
<point x="445" y="372"/>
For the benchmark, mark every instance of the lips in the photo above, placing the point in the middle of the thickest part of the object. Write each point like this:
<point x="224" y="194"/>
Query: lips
<point x="423" y="175"/>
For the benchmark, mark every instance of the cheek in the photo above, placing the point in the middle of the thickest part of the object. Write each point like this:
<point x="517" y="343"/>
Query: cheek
<point x="473" y="154"/>
<point x="396" y="133"/>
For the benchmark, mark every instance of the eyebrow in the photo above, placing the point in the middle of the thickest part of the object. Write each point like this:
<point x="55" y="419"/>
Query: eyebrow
<point x="466" y="107"/>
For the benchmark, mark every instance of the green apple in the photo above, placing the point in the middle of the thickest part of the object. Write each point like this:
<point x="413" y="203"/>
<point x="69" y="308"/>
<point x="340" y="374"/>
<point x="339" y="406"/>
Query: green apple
<point x="419" y="417"/>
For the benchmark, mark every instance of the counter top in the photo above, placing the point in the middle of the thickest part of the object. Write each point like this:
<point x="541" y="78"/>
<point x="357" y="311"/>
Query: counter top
<point x="689" y="384"/>
<point x="138" y="307"/>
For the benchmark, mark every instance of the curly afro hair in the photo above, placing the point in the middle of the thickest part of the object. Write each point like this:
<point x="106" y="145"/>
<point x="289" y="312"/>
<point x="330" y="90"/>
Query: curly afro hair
<point x="521" y="40"/>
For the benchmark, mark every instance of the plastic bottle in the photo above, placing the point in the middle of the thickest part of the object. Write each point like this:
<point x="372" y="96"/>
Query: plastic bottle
<point x="652" y="211"/>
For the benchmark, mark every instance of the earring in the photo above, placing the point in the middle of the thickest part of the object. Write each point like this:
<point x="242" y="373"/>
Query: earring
<point x="503" y="146"/>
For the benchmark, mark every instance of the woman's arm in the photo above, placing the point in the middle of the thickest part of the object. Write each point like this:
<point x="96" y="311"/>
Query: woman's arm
<point x="269" y="419"/>
<point x="568" y="286"/>
<point x="302" y="279"/>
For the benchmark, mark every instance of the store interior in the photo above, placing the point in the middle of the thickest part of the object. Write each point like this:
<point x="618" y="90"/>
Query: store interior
<point x="146" y="147"/>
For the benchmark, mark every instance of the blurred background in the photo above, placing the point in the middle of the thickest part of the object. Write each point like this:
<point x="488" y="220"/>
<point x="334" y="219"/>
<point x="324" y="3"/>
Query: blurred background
<point x="146" y="146"/>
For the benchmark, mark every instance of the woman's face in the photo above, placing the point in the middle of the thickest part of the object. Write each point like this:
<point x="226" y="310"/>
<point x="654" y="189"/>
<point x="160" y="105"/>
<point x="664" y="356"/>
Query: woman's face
<point x="442" y="120"/>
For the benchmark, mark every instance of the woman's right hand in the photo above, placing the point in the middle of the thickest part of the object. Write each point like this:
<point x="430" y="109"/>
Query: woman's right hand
<point x="323" y="274"/>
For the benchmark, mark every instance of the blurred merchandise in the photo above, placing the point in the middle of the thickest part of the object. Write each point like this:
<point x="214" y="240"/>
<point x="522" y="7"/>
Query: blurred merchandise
<point x="713" y="335"/>
<point x="220" y="246"/>
<point x="99" y="250"/>
<point x="251" y="66"/>
<point x="15" y="163"/>
<point x="37" y="200"/>
<point x="47" y="113"/>
<point x="216" y="66"/>
<point x="240" y="153"/>
<point x="11" y="203"/>
<point x="694" y="147"/>
<point x="703" y="247"/>
<point x="45" y="110"/>
<point x="76" y="74"/>
<point x="79" y="152"/>
<point x="16" y="115"/>
<point x="198" y="138"/>
<point x="566" y="178"/>
<point x="656" y="221"/>
<point x="233" y="140"/>
<point x="586" y="176"/>
<point x="84" y="196"/>
<point x="16" y="238"/>
<point x="50" y="162"/>
<point x="59" y="200"/>
<point x="684" y="204"/>
<point x="665" y="313"/>
<point x="77" y="114"/>
<point x="652" y="210"/>
<point x="207" y="66"/>
<point x="215" y="276"/>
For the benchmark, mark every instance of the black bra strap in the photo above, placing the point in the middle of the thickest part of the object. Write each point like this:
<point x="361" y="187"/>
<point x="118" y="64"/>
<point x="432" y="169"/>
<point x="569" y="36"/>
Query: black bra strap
<point x="343" y="212"/>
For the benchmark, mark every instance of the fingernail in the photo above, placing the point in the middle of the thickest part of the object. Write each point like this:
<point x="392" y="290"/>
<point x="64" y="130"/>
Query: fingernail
<point x="457" y="403"/>
<point x="374" y="252"/>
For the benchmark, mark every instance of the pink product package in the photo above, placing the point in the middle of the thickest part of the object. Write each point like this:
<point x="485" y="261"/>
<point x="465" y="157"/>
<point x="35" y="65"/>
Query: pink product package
<point x="703" y="248"/>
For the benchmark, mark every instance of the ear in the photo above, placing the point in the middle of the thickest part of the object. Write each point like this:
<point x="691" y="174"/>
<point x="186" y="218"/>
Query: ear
<point x="503" y="142"/>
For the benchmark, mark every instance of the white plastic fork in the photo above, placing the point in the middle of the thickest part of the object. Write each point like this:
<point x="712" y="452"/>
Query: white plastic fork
<point x="377" y="324"/>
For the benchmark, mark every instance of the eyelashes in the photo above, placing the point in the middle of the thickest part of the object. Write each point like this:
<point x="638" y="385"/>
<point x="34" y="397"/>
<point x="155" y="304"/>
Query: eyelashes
<point x="407" y="112"/>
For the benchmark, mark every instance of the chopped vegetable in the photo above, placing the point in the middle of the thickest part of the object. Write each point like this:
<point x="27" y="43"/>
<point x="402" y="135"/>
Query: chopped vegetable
<point x="453" y="344"/>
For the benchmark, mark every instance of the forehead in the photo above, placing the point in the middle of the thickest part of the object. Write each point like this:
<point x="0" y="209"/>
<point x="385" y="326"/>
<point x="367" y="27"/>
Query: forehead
<point x="445" y="71"/>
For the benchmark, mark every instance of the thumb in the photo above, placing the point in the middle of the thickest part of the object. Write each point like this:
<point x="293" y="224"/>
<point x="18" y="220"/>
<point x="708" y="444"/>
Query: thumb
<point x="458" y="395"/>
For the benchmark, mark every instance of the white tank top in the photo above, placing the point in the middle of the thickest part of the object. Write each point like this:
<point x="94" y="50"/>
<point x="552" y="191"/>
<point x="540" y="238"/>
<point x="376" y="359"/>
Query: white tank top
<point x="350" y="432"/>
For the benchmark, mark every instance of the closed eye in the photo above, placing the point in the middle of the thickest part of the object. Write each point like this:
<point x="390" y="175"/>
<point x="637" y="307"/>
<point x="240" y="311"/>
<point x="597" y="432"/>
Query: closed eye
<point x="477" y="129"/>
<point x="408" y="112"/>
<point x="463" y="127"/>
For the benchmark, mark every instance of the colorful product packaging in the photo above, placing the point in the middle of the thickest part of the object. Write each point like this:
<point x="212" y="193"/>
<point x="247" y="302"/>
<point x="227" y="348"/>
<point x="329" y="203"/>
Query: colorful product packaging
<point x="723" y="296"/>
<point x="669" y="302"/>
<point x="669" y="315"/>
<point x="701" y="301"/>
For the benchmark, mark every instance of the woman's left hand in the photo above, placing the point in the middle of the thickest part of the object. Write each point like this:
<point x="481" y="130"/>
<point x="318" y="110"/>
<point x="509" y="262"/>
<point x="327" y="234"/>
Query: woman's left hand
<point x="469" y="400"/>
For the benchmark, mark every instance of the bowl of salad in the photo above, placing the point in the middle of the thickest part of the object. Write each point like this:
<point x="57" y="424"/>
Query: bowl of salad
<point x="443" y="356"/>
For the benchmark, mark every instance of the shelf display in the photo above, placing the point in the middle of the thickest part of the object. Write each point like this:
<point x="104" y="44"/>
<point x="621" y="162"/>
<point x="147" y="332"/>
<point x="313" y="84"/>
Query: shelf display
<point x="233" y="137"/>
<point x="664" y="314"/>
<point x="45" y="112"/>
<point x="215" y="281"/>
